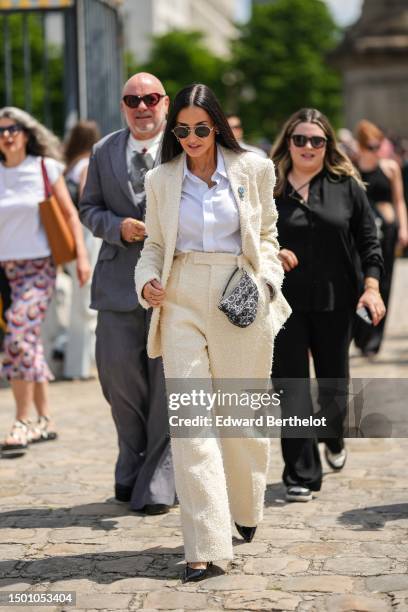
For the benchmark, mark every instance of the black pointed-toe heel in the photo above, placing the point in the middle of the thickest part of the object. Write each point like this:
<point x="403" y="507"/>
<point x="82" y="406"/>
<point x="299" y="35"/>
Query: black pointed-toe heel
<point x="246" y="532"/>
<point x="195" y="575"/>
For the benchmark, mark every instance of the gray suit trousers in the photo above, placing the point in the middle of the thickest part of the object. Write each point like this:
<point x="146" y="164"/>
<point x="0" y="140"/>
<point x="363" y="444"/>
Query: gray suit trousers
<point x="133" y="384"/>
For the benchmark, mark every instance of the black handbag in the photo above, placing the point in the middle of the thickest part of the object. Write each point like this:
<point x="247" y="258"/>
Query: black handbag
<point x="241" y="304"/>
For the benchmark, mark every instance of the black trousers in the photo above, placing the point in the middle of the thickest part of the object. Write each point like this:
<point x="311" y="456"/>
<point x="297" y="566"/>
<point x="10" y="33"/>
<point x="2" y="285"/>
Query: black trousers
<point x="327" y="336"/>
<point x="367" y="337"/>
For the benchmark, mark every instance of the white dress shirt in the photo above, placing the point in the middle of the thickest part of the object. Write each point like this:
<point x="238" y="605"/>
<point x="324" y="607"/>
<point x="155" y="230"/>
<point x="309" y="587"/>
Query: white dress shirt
<point x="208" y="216"/>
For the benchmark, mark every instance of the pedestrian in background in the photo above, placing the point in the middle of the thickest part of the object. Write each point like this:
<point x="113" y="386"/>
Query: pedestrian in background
<point x="235" y="124"/>
<point x="347" y="143"/>
<point x="385" y="192"/>
<point x="25" y="257"/>
<point x="79" y="352"/>
<point x="113" y="208"/>
<point x="332" y="257"/>
<point x="211" y="209"/>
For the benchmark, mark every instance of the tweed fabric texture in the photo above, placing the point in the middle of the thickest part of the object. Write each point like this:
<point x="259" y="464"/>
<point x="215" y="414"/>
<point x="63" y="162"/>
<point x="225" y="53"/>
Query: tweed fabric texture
<point x="216" y="478"/>
<point x="252" y="181"/>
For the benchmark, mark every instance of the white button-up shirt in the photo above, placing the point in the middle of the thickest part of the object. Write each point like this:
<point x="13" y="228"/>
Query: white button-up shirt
<point x="208" y="216"/>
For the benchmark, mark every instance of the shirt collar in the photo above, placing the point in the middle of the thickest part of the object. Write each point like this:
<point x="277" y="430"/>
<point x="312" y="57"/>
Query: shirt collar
<point x="219" y="171"/>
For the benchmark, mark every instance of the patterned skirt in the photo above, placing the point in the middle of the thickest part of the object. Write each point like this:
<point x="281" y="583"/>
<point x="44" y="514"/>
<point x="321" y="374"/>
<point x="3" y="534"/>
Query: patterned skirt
<point x="32" y="283"/>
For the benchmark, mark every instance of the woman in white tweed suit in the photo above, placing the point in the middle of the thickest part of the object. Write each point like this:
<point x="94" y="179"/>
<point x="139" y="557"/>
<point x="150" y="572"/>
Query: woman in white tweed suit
<point x="210" y="208"/>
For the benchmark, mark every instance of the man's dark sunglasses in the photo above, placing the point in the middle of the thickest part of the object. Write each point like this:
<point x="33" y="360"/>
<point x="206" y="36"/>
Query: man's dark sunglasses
<point x="15" y="128"/>
<point x="317" y="142"/>
<point x="149" y="99"/>
<point x="182" y="131"/>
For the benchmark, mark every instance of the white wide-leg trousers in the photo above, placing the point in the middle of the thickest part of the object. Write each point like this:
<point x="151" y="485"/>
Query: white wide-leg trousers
<point x="216" y="477"/>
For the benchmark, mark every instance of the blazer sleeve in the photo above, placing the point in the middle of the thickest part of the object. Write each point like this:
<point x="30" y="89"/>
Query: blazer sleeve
<point x="364" y="232"/>
<point x="94" y="213"/>
<point x="271" y="267"/>
<point x="150" y="264"/>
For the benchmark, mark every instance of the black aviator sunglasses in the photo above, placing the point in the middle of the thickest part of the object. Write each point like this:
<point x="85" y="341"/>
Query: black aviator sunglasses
<point x="317" y="142"/>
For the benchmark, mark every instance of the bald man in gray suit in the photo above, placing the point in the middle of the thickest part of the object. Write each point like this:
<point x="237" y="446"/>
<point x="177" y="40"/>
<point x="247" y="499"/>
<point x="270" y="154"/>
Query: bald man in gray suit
<point x="113" y="208"/>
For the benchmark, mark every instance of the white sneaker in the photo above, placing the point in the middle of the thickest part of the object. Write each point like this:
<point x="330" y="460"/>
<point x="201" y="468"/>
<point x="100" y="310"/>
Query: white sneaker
<point x="335" y="460"/>
<point x="298" y="494"/>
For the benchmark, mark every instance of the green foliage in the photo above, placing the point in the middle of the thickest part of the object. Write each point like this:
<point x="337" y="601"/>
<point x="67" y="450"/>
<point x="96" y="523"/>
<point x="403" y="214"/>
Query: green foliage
<point x="20" y="96"/>
<point x="280" y="66"/>
<point x="180" y="58"/>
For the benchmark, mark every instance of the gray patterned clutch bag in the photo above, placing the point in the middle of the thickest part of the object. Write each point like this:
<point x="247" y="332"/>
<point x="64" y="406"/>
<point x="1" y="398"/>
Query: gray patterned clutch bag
<point x="241" y="304"/>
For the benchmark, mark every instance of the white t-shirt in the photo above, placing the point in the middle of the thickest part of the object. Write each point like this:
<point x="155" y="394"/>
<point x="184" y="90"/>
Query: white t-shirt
<point x="22" y="235"/>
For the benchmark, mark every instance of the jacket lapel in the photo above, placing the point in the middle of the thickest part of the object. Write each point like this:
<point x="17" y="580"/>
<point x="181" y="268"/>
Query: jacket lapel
<point x="170" y="212"/>
<point x="239" y="182"/>
<point x="119" y="165"/>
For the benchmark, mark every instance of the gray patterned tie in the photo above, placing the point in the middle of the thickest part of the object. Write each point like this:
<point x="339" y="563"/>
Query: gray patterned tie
<point x="140" y="163"/>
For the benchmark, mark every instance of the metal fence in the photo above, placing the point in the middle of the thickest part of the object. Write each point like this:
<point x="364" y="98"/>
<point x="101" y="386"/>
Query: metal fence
<point x="62" y="60"/>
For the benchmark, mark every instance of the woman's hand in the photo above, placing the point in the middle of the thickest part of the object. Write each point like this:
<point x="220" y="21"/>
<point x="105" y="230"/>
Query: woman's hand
<point x="372" y="299"/>
<point x="403" y="236"/>
<point x="154" y="293"/>
<point x="288" y="259"/>
<point x="83" y="270"/>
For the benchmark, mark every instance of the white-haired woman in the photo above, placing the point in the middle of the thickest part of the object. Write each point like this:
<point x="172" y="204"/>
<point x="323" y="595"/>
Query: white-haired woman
<point x="26" y="259"/>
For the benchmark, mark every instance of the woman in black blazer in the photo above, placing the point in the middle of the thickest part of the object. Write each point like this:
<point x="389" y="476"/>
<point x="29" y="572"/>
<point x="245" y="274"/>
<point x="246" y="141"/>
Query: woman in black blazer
<point x="333" y="262"/>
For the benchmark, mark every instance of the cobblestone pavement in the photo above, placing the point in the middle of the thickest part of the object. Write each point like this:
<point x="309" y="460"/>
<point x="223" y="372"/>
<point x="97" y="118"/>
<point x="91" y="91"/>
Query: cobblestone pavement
<point x="347" y="550"/>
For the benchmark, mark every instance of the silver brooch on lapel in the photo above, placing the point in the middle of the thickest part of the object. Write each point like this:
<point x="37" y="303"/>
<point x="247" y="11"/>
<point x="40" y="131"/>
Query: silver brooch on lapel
<point x="241" y="192"/>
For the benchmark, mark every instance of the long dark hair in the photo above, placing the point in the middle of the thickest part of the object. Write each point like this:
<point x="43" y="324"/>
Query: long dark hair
<point x="80" y="141"/>
<point x="202" y="96"/>
<point x="335" y="161"/>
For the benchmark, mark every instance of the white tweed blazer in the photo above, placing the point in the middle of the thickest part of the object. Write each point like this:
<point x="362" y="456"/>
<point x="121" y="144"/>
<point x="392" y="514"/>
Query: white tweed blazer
<point x="252" y="180"/>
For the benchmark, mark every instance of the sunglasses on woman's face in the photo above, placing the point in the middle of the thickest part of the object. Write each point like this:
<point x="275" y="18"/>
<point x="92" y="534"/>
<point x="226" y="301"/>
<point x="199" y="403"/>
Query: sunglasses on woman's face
<point x="15" y="128"/>
<point x="201" y="131"/>
<point x="149" y="99"/>
<point x="317" y="142"/>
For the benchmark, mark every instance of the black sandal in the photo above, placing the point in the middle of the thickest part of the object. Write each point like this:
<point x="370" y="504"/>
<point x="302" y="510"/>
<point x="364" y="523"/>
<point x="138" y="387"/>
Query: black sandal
<point x="20" y="433"/>
<point x="39" y="432"/>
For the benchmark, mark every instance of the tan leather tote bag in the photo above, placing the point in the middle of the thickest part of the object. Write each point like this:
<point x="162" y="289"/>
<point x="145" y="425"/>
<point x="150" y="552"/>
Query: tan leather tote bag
<point x="59" y="234"/>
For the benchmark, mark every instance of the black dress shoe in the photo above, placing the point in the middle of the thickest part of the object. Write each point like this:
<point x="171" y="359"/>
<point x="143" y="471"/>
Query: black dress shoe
<point x="195" y="575"/>
<point x="153" y="509"/>
<point x="246" y="532"/>
<point x="123" y="493"/>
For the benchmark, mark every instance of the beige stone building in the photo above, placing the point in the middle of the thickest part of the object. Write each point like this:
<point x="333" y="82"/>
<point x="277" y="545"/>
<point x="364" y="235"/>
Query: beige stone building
<point x="146" y="18"/>
<point x="373" y="58"/>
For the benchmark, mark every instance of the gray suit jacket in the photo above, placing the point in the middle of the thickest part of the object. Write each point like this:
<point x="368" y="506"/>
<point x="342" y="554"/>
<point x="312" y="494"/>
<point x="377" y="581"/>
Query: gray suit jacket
<point x="106" y="201"/>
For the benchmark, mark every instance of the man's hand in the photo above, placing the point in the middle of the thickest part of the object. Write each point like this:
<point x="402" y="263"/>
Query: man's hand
<point x="132" y="230"/>
<point x="154" y="293"/>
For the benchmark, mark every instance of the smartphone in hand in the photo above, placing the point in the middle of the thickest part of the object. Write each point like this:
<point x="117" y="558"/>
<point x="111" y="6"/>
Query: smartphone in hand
<point x="364" y="313"/>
